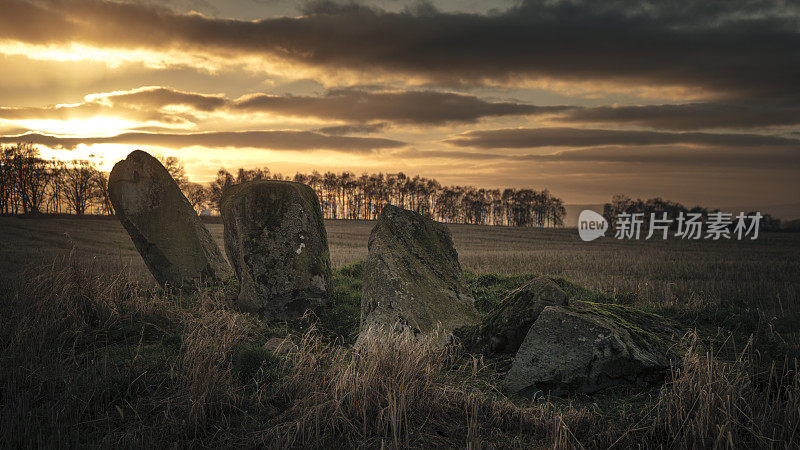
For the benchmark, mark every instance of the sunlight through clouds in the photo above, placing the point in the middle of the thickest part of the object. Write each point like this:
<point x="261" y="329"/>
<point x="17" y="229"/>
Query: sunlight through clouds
<point x="517" y="91"/>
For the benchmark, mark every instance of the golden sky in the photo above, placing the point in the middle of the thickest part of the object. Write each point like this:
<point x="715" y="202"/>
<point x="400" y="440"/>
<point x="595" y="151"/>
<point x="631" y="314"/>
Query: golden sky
<point x="692" y="101"/>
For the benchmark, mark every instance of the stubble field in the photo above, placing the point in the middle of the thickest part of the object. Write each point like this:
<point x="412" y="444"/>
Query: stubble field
<point x="763" y="273"/>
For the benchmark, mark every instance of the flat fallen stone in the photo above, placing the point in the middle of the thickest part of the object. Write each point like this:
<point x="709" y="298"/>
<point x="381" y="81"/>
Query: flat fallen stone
<point x="412" y="278"/>
<point x="568" y="351"/>
<point x="174" y="243"/>
<point x="276" y="241"/>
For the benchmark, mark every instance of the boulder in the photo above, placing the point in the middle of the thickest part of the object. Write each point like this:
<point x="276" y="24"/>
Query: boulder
<point x="276" y="241"/>
<point x="503" y="329"/>
<point x="579" y="351"/>
<point x="174" y="243"/>
<point x="412" y="279"/>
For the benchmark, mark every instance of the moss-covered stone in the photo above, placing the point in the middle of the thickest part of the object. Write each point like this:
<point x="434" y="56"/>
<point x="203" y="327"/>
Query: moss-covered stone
<point x="174" y="243"/>
<point x="648" y="330"/>
<point x="586" y="349"/>
<point x="277" y="244"/>
<point x="412" y="277"/>
<point x="504" y="328"/>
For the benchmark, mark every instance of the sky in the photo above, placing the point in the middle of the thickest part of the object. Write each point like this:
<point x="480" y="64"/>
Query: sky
<point x="696" y="102"/>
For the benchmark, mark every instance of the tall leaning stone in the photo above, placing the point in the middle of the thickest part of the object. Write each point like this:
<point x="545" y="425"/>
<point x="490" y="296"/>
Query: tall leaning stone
<point x="412" y="277"/>
<point x="174" y="243"/>
<point x="276" y="242"/>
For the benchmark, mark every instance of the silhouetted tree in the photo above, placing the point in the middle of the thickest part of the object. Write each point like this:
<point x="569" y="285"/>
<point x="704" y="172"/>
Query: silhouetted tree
<point x="27" y="180"/>
<point x="102" y="194"/>
<point x="223" y="181"/>
<point x="79" y="185"/>
<point x="31" y="175"/>
<point x="197" y="195"/>
<point x="176" y="169"/>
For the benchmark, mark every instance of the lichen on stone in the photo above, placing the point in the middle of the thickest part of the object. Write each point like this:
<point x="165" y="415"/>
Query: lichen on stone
<point x="412" y="277"/>
<point x="266" y="223"/>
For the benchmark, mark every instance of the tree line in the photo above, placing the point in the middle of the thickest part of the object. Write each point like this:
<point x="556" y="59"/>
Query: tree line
<point x="623" y="204"/>
<point x="30" y="184"/>
<point x="346" y="195"/>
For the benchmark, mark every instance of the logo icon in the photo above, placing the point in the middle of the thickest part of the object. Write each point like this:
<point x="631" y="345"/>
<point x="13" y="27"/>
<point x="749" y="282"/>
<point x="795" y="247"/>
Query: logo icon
<point x="591" y="225"/>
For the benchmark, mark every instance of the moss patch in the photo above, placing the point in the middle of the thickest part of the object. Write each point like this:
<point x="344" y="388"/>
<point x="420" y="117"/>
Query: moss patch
<point x="647" y="330"/>
<point x="339" y="318"/>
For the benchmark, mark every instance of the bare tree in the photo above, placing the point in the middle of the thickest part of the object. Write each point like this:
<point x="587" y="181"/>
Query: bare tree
<point x="223" y="181"/>
<point x="79" y="185"/>
<point x="176" y="170"/>
<point x="32" y="174"/>
<point x="102" y="194"/>
<point x="197" y="195"/>
<point x="6" y="181"/>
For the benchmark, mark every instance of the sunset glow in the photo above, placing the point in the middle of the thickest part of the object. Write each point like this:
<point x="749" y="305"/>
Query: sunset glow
<point x="320" y="88"/>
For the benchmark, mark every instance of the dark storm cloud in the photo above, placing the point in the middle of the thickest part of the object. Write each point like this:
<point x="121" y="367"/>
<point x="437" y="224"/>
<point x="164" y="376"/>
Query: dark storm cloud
<point x="736" y="47"/>
<point x="271" y="140"/>
<point x="417" y="107"/>
<point x="742" y="158"/>
<point x="690" y="116"/>
<point x="581" y="137"/>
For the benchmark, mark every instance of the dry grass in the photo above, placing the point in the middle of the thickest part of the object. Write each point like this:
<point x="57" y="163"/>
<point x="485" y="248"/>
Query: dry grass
<point x="398" y="392"/>
<point x="209" y="342"/>
<point x="739" y="404"/>
<point x="91" y="354"/>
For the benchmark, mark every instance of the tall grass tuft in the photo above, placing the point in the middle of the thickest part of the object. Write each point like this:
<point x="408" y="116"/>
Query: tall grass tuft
<point x="58" y="309"/>
<point x="209" y="343"/>
<point x="737" y="404"/>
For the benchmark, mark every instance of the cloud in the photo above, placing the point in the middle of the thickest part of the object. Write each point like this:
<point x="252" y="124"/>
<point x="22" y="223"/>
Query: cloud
<point x="690" y="116"/>
<point x="581" y="137"/>
<point x="361" y="107"/>
<point x="87" y="110"/>
<point x="159" y="97"/>
<point x="416" y="107"/>
<point x="270" y="140"/>
<point x="659" y="155"/>
<point x="353" y="129"/>
<point x="144" y="104"/>
<point x="737" y="48"/>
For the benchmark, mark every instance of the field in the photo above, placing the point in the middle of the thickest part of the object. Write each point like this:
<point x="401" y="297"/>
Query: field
<point x="95" y="354"/>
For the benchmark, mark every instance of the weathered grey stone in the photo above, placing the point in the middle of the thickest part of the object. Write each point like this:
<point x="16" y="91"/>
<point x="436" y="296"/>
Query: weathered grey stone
<point x="567" y="351"/>
<point x="503" y="330"/>
<point x="412" y="278"/>
<point x="276" y="241"/>
<point x="174" y="243"/>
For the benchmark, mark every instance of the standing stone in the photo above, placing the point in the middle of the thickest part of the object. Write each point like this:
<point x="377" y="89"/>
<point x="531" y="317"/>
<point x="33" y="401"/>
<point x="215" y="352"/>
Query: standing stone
<point x="568" y="351"/>
<point x="276" y="242"/>
<point x="174" y="243"/>
<point x="412" y="278"/>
